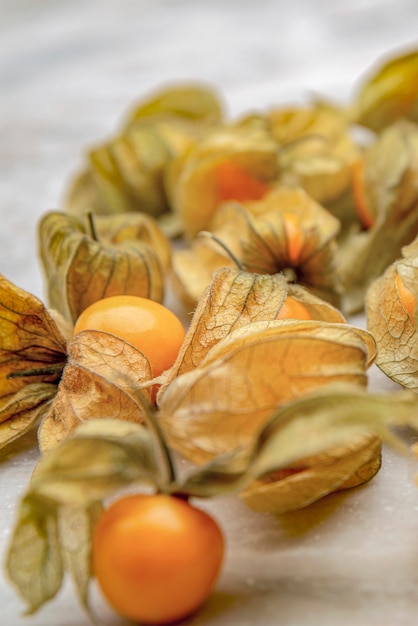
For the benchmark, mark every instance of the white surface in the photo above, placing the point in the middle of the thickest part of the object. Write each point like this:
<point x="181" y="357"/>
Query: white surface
<point x="69" y="71"/>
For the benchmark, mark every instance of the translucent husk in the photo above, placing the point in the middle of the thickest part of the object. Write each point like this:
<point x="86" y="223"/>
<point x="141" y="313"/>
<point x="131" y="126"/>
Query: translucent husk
<point x="192" y="180"/>
<point x="391" y="317"/>
<point x="286" y="232"/>
<point x="388" y="92"/>
<point x="391" y="193"/>
<point x="126" y="254"/>
<point x="126" y="173"/>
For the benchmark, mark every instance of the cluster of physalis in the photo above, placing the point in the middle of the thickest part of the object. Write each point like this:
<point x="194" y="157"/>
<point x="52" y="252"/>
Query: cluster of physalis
<point x="270" y="230"/>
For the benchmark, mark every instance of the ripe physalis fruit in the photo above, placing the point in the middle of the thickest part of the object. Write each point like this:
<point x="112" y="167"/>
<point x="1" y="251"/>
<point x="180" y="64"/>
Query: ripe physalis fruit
<point x="155" y="554"/>
<point x="156" y="557"/>
<point x="390" y="307"/>
<point x="236" y="162"/>
<point x="149" y="326"/>
<point x="236" y="183"/>
<point x="293" y="309"/>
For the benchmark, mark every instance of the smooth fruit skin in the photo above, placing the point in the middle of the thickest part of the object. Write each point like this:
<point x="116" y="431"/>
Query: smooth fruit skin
<point x="406" y="297"/>
<point x="293" y="309"/>
<point x="156" y="557"/>
<point x="148" y="325"/>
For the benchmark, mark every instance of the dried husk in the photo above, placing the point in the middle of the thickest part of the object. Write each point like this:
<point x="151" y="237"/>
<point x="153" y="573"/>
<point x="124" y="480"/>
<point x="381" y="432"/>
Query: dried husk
<point x="286" y="231"/>
<point x="126" y="173"/>
<point x="391" y="192"/>
<point x="193" y="180"/>
<point x="195" y="102"/>
<point x="54" y="527"/>
<point x="296" y="487"/>
<point x="32" y="357"/>
<point x="351" y="457"/>
<point x="129" y="255"/>
<point x="99" y="380"/>
<point x="392" y="320"/>
<point x="320" y="429"/>
<point x="317" y="150"/>
<point x="221" y="404"/>
<point x="233" y="299"/>
<point x="389" y="92"/>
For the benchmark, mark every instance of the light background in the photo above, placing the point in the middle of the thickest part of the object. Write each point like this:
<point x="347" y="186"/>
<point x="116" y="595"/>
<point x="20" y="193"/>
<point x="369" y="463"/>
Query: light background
<point x="69" y="72"/>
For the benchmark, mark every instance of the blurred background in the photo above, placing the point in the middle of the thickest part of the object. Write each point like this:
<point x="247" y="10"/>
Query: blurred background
<point x="70" y="71"/>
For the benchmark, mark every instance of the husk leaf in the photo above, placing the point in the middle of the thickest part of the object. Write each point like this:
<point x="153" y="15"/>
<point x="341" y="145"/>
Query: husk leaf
<point x="391" y="190"/>
<point x="54" y="525"/>
<point x="32" y="357"/>
<point x="389" y="92"/>
<point x="235" y="298"/>
<point x="125" y="173"/>
<point x="97" y="382"/>
<point x="195" y="181"/>
<point x="285" y="232"/>
<point x="222" y="403"/>
<point x="317" y="151"/>
<point x="392" y="320"/>
<point x="129" y="256"/>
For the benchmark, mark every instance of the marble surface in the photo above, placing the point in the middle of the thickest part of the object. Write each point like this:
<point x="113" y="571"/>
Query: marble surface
<point x="69" y="71"/>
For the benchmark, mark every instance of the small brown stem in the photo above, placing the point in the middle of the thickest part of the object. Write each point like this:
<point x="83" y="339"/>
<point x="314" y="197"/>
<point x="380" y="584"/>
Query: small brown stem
<point x="205" y="234"/>
<point x="154" y="425"/>
<point x="92" y="226"/>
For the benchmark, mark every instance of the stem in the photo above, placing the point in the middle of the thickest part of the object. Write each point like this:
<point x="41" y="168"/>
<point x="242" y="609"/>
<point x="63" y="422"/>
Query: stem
<point x="154" y="425"/>
<point x="205" y="234"/>
<point x="92" y="227"/>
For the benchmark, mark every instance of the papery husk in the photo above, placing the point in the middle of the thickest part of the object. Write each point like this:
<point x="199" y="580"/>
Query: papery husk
<point x="233" y="299"/>
<point x="389" y="92"/>
<point x="391" y="323"/>
<point x="53" y="532"/>
<point x="192" y="181"/>
<point x="255" y="235"/>
<point x="317" y="150"/>
<point x="22" y="411"/>
<point x="196" y="102"/>
<point x="391" y="192"/>
<point x="32" y="357"/>
<point x="126" y="173"/>
<point x="343" y="467"/>
<point x="99" y="380"/>
<point x="130" y="256"/>
<point x="221" y="404"/>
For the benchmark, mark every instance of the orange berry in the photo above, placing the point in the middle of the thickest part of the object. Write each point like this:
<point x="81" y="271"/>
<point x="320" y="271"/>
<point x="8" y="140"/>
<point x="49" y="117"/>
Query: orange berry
<point x="293" y="309"/>
<point x="406" y="297"/>
<point x="147" y="325"/>
<point x="235" y="183"/>
<point x="156" y="557"/>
